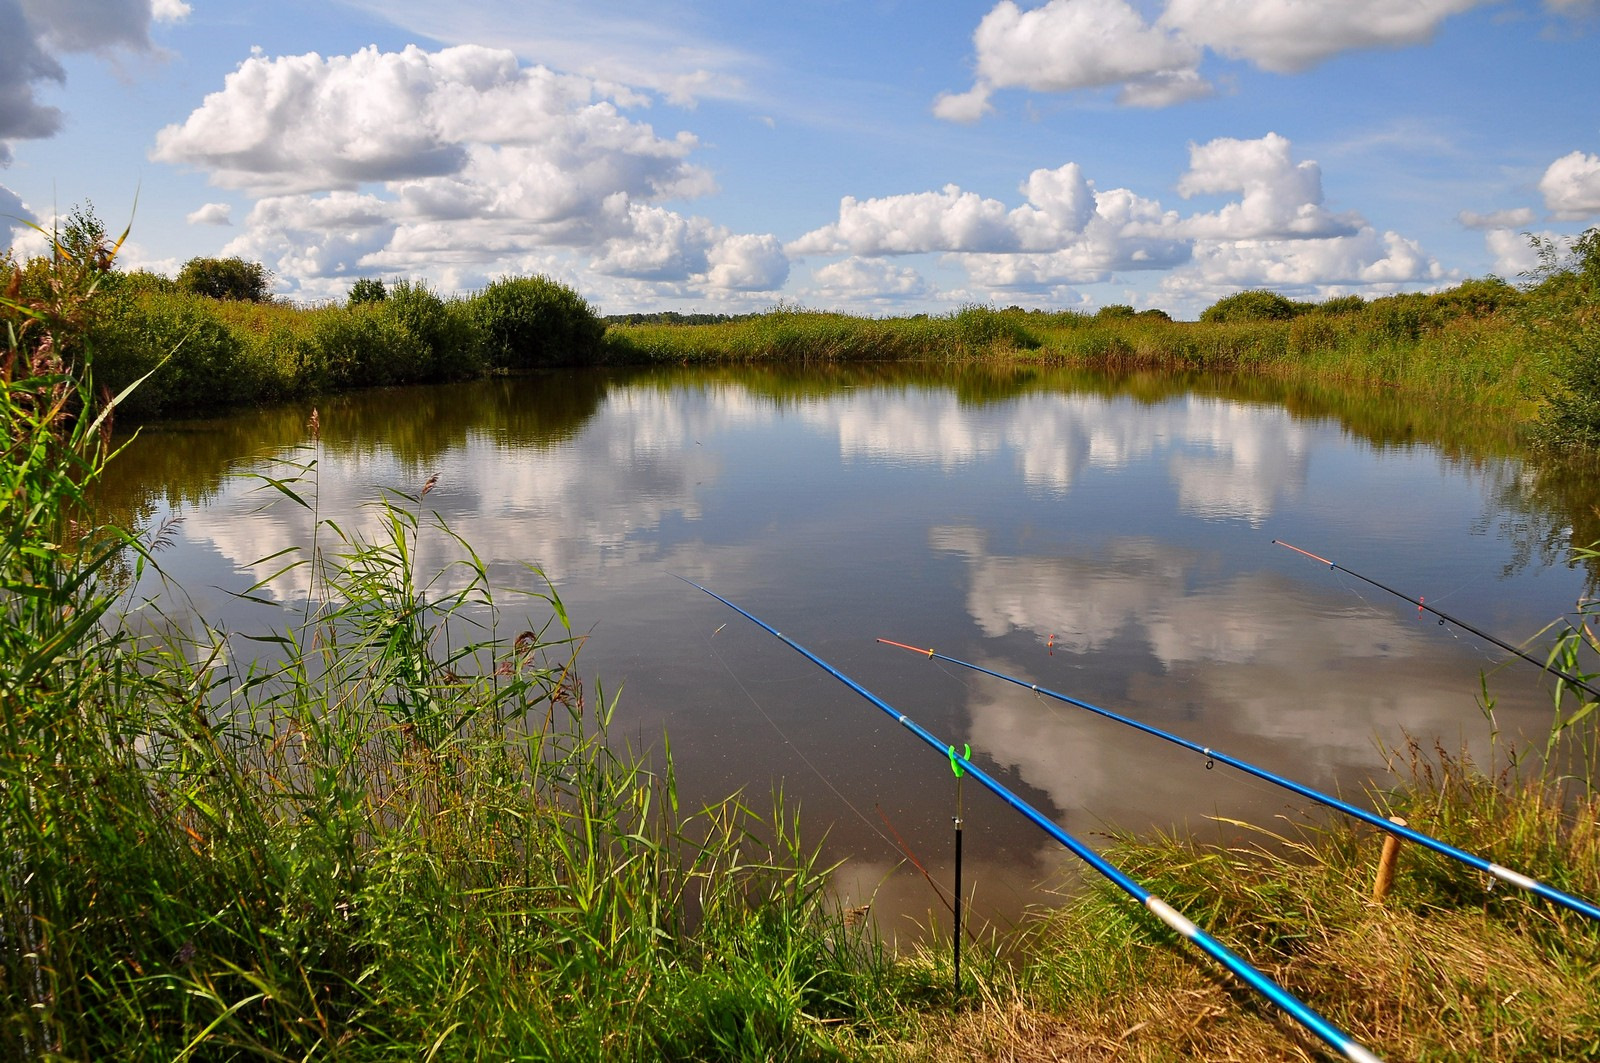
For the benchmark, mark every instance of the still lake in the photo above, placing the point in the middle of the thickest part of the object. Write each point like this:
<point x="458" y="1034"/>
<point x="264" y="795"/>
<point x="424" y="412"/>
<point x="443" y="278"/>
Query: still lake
<point x="1109" y="539"/>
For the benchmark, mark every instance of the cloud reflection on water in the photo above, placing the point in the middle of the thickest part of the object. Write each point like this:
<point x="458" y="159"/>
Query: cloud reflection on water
<point x="1130" y="531"/>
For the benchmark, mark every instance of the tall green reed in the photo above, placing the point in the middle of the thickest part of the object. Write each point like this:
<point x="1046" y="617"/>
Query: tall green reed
<point x="389" y="825"/>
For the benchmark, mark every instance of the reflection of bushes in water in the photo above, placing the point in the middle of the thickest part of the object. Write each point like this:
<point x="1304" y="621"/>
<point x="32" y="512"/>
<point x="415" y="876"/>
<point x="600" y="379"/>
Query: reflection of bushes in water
<point x="186" y="462"/>
<point x="1556" y="503"/>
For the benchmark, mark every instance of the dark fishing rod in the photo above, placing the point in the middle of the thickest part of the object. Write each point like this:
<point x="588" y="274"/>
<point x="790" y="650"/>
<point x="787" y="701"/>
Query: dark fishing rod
<point x="1446" y="617"/>
<point x="1504" y="874"/>
<point x="1175" y="920"/>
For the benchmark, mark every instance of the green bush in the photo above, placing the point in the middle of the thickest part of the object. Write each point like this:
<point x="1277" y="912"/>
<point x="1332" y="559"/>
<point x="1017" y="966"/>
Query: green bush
<point x="367" y="290"/>
<point x="226" y="278"/>
<point x="1478" y="298"/>
<point x="194" y="354"/>
<point x="1339" y="305"/>
<point x="363" y="345"/>
<point x="1398" y="318"/>
<point x="1313" y="333"/>
<point x="1561" y="314"/>
<point x="1253" y="305"/>
<point x="527" y="322"/>
<point x="980" y="329"/>
<point x="143" y="282"/>
<point x="447" y="330"/>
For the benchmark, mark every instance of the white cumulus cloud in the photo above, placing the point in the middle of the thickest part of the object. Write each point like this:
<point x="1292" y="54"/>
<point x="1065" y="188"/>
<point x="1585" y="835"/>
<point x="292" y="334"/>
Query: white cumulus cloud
<point x="1275" y="230"/>
<point x="35" y="33"/>
<point x="1513" y="218"/>
<point x="1076" y="44"/>
<point x="1058" y="205"/>
<point x="303" y="123"/>
<point x="869" y="278"/>
<point x="673" y="47"/>
<point x="1125" y="232"/>
<point x="1280" y="198"/>
<point x="1513" y="254"/>
<point x="1368" y="257"/>
<point x="211" y="214"/>
<point x="1285" y="36"/>
<point x="459" y="162"/>
<point x="13" y="212"/>
<point x="1571" y="186"/>
<point x="947" y="220"/>
<point x="747" y="262"/>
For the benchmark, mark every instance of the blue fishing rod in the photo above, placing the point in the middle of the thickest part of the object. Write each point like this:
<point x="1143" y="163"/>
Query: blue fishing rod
<point x="1504" y="874"/>
<point x="1175" y="920"/>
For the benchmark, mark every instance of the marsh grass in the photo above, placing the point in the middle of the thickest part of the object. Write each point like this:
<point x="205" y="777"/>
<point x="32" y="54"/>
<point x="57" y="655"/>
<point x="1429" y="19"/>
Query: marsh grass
<point x="814" y="337"/>
<point x="386" y="827"/>
<point x="1482" y="359"/>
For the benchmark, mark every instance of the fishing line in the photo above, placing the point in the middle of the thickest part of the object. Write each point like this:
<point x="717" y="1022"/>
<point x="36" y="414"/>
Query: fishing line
<point x="1421" y="604"/>
<point x="1169" y="916"/>
<point x="814" y="769"/>
<point x="897" y="843"/>
<point x="1504" y="874"/>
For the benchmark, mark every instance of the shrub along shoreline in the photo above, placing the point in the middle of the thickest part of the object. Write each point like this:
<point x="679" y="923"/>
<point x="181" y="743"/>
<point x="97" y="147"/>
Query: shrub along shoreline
<point x="213" y="338"/>
<point x="410" y="837"/>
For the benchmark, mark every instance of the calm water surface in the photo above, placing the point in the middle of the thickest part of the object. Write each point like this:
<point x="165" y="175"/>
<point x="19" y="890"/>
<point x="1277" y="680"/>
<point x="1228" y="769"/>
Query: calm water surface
<point x="1110" y="541"/>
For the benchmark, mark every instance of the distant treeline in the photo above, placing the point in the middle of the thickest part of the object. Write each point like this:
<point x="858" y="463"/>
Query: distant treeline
<point x="673" y="317"/>
<point x="214" y="337"/>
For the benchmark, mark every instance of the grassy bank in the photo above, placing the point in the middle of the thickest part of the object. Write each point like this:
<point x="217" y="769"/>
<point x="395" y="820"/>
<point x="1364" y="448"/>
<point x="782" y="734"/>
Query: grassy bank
<point x="391" y="827"/>
<point x="394" y="825"/>
<point x="1438" y="348"/>
<point x="1445" y="969"/>
<point x="213" y="337"/>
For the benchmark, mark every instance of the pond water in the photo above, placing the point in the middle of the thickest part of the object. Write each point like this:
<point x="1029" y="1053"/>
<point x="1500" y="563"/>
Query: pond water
<point x="1109" y="539"/>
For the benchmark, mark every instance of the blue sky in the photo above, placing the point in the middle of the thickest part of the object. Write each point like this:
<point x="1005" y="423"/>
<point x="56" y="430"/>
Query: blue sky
<point x="877" y="156"/>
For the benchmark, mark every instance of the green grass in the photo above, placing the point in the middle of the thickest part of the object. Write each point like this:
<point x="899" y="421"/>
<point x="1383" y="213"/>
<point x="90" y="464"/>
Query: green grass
<point x="1444" y="969"/>
<point x="389" y="827"/>
<point x="1484" y="361"/>
<point x="810" y="337"/>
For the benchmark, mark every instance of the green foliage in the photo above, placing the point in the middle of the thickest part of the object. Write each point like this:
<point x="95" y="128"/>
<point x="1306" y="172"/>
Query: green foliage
<point x="527" y="322"/>
<point x="1339" y="305"/>
<point x="226" y="278"/>
<point x="389" y="835"/>
<point x="982" y="330"/>
<point x="367" y="290"/>
<point x="448" y="330"/>
<point x="1398" y="318"/>
<point x="1114" y="312"/>
<point x="1562" y="314"/>
<point x="144" y="282"/>
<point x="83" y="238"/>
<point x="363" y="345"/>
<point x="1253" y="305"/>
<point x="1567" y="272"/>
<point x="1477" y="298"/>
<point x="181" y="340"/>
<point x="1572" y="417"/>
